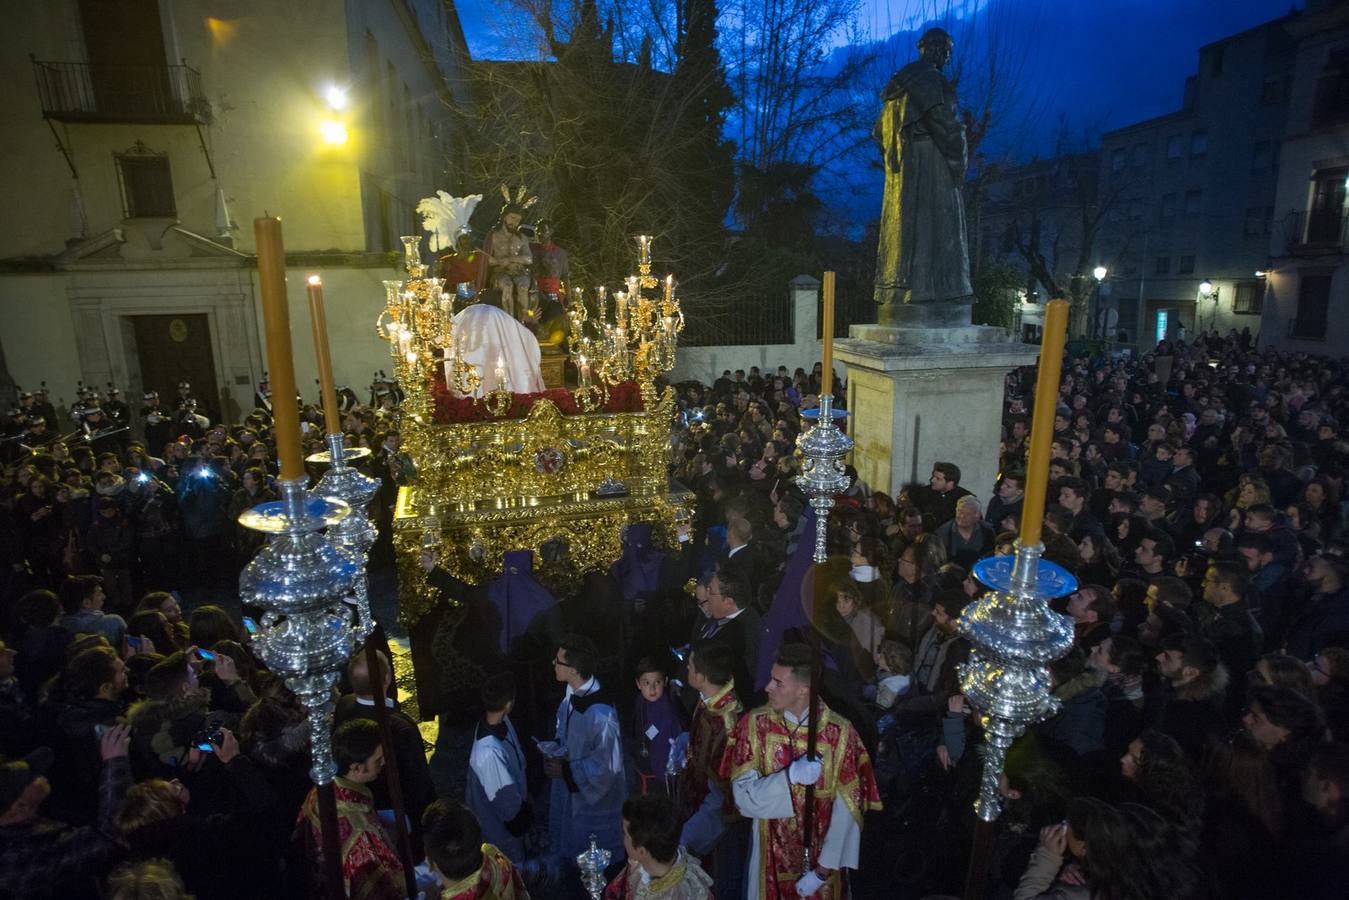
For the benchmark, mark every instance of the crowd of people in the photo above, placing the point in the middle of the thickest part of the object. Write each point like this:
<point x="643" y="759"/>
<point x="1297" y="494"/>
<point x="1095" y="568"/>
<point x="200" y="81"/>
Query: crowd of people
<point x="1199" y="748"/>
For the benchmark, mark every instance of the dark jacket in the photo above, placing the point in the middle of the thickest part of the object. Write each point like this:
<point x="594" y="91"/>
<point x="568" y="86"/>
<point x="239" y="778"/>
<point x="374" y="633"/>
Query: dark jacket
<point x="741" y="635"/>
<point x="413" y="773"/>
<point x="1192" y="712"/>
<point x="1323" y="621"/>
<point x="45" y="858"/>
<point x="1079" y="726"/>
<point x="78" y="761"/>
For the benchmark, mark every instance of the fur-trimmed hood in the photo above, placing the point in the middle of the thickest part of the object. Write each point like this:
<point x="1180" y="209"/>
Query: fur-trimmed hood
<point x="1205" y="687"/>
<point x="1078" y="685"/>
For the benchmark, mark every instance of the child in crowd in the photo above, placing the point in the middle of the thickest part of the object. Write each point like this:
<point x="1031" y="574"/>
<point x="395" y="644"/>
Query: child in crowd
<point x="657" y="725"/>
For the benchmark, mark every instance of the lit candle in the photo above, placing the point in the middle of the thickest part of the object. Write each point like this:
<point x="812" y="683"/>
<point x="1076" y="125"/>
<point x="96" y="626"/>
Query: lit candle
<point x="644" y="249"/>
<point x="669" y="324"/>
<point x="1042" y="420"/>
<point x="620" y="308"/>
<point x="669" y="288"/>
<point x="444" y="304"/>
<point x="332" y="417"/>
<point x="405" y="342"/>
<point x="501" y="372"/>
<point x="585" y="372"/>
<point x="827" y="387"/>
<point x="280" y="359"/>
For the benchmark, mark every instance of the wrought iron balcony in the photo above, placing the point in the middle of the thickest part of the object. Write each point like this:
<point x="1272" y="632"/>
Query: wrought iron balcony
<point x="156" y="95"/>
<point x="1317" y="232"/>
<point x="1307" y="330"/>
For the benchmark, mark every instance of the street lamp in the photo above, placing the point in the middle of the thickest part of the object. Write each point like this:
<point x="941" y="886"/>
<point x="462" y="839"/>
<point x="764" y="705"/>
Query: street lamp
<point x="1100" y="273"/>
<point x="1208" y="292"/>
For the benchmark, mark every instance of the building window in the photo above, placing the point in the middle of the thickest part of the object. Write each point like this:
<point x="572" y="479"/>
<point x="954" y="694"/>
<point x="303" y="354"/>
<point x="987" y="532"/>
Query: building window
<point x="147" y="184"/>
<point x="1193" y="201"/>
<point x="1185" y="266"/>
<point x="1260" y="156"/>
<point x="1169" y="202"/>
<point x="1118" y="158"/>
<point x="1325" y="220"/>
<point x="1272" y="91"/>
<point x="1255" y="221"/>
<point x="1140" y="154"/>
<point x="1163" y="266"/>
<point x="1313" y="301"/>
<point x="1199" y="143"/>
<point x="1249" y="298"/>
<point x="1331" y="105"/>
<point x="1175" y="146"/>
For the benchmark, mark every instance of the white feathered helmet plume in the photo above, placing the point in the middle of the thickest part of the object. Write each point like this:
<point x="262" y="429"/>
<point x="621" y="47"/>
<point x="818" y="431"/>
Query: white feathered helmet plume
<point x="445" y="216"/>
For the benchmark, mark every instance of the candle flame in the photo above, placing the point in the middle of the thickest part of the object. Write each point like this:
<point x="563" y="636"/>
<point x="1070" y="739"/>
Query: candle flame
<point x="315" y="280"/>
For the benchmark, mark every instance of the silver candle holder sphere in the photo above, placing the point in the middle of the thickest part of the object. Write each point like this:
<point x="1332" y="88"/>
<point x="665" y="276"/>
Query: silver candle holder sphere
<point x="355" y="533"/>
<point x="1015" y="635"/>
<point x="300" y="578"/>
<point x="823" y="448"/>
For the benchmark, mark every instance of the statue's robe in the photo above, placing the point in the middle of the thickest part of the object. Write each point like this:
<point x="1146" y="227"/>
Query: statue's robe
<point x="922" y="253"/>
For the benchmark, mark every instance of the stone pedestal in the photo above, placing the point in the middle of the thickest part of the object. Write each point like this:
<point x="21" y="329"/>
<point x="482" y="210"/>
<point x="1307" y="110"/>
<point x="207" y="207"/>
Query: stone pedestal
<point x="917" y="396"/>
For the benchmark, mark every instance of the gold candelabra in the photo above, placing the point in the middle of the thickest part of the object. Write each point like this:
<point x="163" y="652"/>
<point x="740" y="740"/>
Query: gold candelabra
<point x="641" y="340"/>
<point x="418" y="322"/>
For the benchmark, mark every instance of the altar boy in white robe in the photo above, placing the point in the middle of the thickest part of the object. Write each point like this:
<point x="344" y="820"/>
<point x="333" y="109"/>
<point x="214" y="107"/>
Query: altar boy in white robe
<point x="496" y="790"/>
<point x="585" y="761"/>
<point x="769" y="771"/>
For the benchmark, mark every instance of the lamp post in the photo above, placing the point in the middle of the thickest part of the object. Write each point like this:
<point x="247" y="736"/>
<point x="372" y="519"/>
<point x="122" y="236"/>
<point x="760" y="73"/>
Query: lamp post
<point x="1100" y="273"/>
<point x="1208" y="292"/>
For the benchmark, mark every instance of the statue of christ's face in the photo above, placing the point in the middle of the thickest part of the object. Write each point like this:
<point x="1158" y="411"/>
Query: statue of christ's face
<point x="512" y="222"/>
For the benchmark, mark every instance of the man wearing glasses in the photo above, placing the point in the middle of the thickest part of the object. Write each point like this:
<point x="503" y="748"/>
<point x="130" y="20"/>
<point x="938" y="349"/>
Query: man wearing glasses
<point x="585" y="762"/>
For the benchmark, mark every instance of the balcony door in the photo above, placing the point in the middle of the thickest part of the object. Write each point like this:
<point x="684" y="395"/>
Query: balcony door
<point x="1324" y="223"/>
<point x="128" y="70"/>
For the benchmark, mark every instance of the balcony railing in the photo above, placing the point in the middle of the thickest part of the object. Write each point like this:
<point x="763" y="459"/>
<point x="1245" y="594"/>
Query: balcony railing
<point x="1318" y="231"/>
<point x="86" y="92"/>
<point x="1307" y="329"/>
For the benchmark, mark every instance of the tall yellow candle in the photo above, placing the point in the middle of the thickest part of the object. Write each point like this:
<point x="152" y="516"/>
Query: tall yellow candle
<point x="1042" y="423"/>
<point x="827" y="384"/>
<point x="280" y="359"/>
<point x="332" y="416"/>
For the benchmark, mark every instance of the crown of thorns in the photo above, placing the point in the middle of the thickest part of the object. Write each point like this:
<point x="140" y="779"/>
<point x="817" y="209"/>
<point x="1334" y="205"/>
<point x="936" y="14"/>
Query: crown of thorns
<point x="517" y="203"/>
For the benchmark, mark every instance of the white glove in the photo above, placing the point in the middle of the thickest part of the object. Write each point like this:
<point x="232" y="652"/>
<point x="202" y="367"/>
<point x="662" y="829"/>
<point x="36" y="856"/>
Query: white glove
<point x="809" y="883"/>
<point x="804" y="771"/>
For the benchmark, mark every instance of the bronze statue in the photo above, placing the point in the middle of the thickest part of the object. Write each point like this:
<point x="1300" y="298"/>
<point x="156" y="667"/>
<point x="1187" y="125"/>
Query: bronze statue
<point x="923" y="255"/>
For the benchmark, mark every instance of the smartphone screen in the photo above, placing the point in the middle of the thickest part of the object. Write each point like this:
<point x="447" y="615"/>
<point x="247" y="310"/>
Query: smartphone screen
<point x="250" y="626"/>
<point x="206" y="655"/>
<point x="206" y="747"/>
<point x="134" y="641"/>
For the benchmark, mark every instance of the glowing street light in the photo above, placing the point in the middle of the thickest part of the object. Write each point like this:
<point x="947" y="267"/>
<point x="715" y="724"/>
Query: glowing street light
<point x="1099" y="272"/>
<point x="1206" y="287"/>
<point x="333" y="132"/>
<point x="336" y="97"/>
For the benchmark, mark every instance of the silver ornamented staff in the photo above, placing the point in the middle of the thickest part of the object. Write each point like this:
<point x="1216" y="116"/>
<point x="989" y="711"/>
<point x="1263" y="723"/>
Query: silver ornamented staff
<point x="1013" y="632"/>
<point x="355" y="534"/>
<point x="301" y="579"/>
<point x="823" y="448"/>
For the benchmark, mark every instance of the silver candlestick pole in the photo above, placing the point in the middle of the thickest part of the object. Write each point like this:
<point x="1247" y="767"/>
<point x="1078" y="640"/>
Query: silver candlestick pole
<point x="822" y="450"/>
<point x="356" y="533"/>
<point x="1015" y="635"/>
<point x="301" y="579"/>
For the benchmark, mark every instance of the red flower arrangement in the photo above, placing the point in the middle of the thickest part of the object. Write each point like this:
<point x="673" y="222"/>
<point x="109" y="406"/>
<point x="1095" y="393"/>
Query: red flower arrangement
<point x="452" y="410"/>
